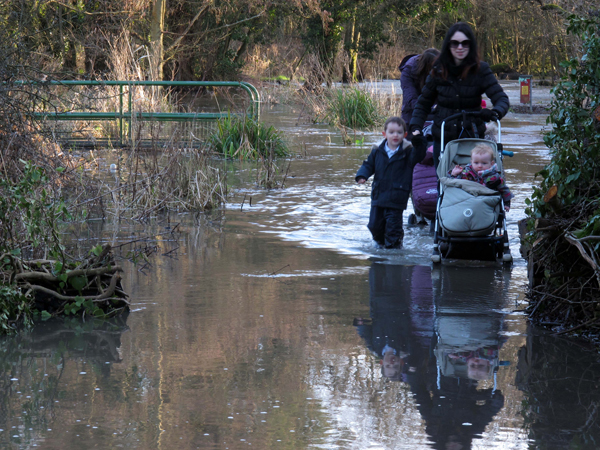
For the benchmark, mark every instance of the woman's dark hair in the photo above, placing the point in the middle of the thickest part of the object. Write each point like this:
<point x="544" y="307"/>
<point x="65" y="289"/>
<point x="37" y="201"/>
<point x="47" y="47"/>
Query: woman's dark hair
<point x="445" y="60"/>
<point x="425" y="64"/>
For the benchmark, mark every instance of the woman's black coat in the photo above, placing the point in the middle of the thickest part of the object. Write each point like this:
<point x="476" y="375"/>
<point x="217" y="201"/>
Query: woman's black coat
<point x="454" y="95"/>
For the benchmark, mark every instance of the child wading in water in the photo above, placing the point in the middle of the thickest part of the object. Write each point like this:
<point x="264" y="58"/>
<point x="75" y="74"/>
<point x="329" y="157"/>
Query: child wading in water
<point x="483" y="170"/>
<point x="392" y="164"/>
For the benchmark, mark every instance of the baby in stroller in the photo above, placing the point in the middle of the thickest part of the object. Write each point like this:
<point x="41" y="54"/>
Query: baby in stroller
<point x="484" y="170"/>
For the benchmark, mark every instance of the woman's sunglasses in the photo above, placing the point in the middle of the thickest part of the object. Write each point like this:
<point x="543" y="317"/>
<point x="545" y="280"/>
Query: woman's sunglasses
<point x="464" y="44"/>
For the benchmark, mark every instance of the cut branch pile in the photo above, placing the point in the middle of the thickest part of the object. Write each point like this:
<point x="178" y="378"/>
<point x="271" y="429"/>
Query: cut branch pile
<point x="91" y="287"/>
<point x="564" y="274"/>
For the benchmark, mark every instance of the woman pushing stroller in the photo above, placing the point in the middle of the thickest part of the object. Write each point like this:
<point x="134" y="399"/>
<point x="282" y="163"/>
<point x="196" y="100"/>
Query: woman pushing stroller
<point x="456" y="83"/>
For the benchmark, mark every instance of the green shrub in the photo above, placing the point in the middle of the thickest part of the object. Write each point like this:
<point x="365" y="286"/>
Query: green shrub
<point x="15" y="308"/>
<point x="247" y="138"/>
<point x="29" y="217"/>
<point x="30" y="214"/>
<point x="574" y="139"/>
<point x="352" y="107"/>
<point x="498" y="68"/>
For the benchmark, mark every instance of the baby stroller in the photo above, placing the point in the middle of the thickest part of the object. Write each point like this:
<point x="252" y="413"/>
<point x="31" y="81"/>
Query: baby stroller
<point x="424" y="193"/>
<point x="470" y="222"/>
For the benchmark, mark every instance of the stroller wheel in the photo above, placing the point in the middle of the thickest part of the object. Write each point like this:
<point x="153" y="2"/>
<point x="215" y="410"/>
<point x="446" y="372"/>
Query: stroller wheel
<point x="436" y="258"/>
<point x="412" y="219"/>
<point x="507" y="258"/>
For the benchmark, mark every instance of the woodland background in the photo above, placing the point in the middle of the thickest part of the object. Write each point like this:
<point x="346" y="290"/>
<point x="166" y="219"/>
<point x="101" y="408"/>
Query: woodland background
<point x="313" y="40"/>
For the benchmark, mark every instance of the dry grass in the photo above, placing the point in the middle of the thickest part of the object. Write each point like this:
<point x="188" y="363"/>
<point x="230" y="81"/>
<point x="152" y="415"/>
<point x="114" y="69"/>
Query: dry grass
<point x="290" y="60"/>
<point x="146" y="182"/>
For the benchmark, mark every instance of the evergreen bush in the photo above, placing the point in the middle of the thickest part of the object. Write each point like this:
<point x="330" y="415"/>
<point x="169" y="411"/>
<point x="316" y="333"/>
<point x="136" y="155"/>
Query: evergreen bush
<point x="574" y="137"/>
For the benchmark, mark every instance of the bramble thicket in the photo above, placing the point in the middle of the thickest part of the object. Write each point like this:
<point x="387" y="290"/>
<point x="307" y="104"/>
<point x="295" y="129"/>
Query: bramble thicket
<point x="564" y="211"/>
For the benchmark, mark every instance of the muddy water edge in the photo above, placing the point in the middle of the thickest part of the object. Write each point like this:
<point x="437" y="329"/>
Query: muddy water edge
<point x="265" y="325"/>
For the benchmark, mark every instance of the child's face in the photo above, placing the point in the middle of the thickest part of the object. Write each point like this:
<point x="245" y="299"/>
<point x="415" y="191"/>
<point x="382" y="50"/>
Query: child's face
<point x="394" y="134"/>
<point x="478" y="368"/>
<point x="391" y="365"/>
<point x="481" y="161"/>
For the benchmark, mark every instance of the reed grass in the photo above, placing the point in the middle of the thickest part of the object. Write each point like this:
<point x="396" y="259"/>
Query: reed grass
<point x="352" y="107"/>
<point x="242" y="137"/>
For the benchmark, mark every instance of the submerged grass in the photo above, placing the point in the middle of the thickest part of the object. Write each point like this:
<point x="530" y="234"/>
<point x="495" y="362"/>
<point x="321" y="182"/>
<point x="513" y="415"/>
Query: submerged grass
<point x="247" y="138"/>
<point x="352" y="108"/>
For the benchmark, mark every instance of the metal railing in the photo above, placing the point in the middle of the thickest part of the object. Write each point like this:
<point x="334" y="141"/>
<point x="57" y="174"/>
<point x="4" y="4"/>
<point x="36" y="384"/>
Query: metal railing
<point x="127" y="113"/>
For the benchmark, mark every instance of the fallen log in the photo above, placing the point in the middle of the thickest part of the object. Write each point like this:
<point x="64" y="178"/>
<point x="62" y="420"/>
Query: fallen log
<point x="92" y="286"/>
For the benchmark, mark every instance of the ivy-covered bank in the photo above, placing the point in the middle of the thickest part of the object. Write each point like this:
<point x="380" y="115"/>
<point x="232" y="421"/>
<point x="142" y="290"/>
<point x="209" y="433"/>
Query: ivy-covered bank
<point x="38" y="276"/>
<point x="563" y="225"/>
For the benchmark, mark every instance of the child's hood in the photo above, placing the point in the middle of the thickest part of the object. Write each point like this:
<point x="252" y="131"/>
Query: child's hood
<point x="405" y="146"/>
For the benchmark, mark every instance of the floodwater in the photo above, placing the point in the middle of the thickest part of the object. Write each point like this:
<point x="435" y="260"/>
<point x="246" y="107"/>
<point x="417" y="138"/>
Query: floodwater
<point x="263" y="326"/>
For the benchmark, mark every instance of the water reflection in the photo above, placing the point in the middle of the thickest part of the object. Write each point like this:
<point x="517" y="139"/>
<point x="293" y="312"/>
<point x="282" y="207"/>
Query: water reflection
<point x="562" y="399"/>
<point x="36" y="371"/>
<point x="440" y="333"/>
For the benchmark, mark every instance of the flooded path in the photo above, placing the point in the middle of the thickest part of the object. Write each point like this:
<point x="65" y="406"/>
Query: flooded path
<point x="266" y="329"/>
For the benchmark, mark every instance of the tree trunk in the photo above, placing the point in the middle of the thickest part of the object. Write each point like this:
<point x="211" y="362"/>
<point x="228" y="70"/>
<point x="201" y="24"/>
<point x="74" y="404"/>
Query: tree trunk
<point x="297" y="64"/>
<point x="517" y="61"/>
<point x="156" y="39"/>
<point x="354" y="54"/>
<point x="352" y="39"/>
<point x="433" y="25"/>
<point x="240" y="52"/>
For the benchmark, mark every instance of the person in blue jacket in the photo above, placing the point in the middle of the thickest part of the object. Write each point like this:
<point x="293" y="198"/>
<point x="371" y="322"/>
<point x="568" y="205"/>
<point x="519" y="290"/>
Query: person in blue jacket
<point x="392" y="163"/>
<point x="414" y="72"/>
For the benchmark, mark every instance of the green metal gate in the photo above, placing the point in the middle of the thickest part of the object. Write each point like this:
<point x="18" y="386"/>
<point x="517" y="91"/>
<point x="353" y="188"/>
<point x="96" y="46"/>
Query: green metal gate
<point x="131" y="113"/>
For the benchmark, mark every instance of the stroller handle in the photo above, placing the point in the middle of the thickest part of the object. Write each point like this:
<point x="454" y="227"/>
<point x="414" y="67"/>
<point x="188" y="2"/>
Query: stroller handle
<point x="465" y="114"/>
<point x="508" y="153"/>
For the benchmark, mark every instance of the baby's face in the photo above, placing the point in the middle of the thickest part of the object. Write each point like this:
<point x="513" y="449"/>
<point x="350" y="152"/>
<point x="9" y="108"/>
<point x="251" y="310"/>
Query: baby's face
<point x="478" y="369"/>
<point x="481" y="162"/>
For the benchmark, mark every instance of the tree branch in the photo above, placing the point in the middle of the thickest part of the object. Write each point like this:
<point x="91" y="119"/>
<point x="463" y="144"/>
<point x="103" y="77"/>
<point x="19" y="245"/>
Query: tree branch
<point x="43" y="276"/>
<point x="184" y="34"/>
<point x="95" y="298"/>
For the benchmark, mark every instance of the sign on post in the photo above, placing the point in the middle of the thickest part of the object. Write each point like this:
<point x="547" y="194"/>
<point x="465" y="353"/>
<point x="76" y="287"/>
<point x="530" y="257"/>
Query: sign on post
<point x="525" y="90"/>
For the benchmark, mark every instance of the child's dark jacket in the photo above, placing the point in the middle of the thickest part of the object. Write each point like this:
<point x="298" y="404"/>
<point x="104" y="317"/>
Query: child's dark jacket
<point x="393" y="176"/>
